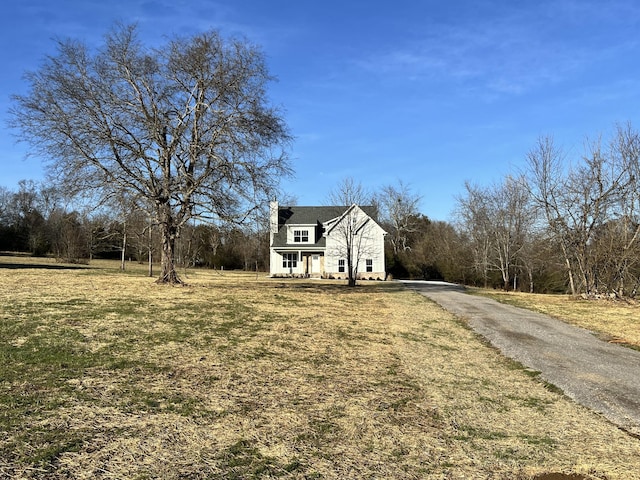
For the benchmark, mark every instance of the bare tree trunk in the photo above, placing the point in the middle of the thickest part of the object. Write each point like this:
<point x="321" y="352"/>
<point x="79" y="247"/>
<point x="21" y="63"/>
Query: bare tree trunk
<point x="169" y="232"/>
<point x="124" y="247"/>
<point x="352" y="277"/>
<point x="350" y="272"/>
<point x="168" y="272"/>
<point x="150" y="252"/>
<point x="572" y="284"/>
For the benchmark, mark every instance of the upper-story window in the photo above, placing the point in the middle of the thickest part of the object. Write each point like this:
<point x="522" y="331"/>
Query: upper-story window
<point x="301" y="236"/>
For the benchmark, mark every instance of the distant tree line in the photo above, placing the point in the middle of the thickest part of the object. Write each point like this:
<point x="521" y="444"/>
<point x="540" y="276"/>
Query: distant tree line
<point x="417" y="247"/>
<point x="36" y="219"/>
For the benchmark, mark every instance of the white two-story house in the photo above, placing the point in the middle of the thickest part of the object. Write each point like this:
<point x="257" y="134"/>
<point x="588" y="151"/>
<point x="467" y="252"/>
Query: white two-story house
<point x="324" y="241"/>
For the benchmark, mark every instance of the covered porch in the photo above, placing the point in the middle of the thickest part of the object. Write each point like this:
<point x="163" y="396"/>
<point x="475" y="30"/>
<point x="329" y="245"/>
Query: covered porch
<point x="298" y="263"/>
<point x="312" y="263"/>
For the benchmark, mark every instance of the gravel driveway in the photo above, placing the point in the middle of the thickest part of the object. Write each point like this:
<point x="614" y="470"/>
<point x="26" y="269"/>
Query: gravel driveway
<point x="602" y="376"/>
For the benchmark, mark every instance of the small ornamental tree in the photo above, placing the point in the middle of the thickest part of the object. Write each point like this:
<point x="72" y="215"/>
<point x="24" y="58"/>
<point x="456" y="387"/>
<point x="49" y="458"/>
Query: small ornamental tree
<point x="352" y="231"/>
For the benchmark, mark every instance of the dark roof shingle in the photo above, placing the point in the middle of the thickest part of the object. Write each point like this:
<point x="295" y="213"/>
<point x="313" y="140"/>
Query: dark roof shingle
<point x="302" y="215"/>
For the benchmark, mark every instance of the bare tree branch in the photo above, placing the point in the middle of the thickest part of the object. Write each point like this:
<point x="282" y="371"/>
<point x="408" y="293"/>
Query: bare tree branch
<point x="187" y="127"/>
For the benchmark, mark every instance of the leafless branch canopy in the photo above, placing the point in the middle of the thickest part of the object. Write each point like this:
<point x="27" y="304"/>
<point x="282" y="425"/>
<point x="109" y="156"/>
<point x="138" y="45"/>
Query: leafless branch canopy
<point x="186" y="128"/>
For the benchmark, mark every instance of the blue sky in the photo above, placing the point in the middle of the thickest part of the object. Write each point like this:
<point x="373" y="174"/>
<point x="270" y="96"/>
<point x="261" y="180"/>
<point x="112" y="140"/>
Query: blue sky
<point x="431" y="93"/>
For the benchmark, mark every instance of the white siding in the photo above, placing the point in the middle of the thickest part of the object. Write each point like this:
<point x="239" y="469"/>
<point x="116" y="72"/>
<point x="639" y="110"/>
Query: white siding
<point x="311" y="234"/>
<point x="370" y="239"/>
<point x="277" y="268"/>
<point x="369" y="243"/>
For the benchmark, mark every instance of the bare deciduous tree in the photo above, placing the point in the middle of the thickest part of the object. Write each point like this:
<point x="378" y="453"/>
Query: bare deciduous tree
<point x="578" y="202"/>
<point x="498" y="219"/>
<point x="624" y="258"/>
<point x="473" y="212"/>
<point x="399" y="210"/>
<point x="352" y="230"/>
<point x="545" y="179"/>
<point x="186" y="128"/>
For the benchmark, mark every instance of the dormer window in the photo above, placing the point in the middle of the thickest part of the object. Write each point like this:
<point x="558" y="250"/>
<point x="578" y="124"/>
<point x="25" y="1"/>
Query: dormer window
<point x="301" y="236"/>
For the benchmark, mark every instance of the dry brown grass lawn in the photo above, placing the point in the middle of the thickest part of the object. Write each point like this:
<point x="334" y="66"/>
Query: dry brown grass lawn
<point x="615" y="320"/>
<point x="108" y="375"/>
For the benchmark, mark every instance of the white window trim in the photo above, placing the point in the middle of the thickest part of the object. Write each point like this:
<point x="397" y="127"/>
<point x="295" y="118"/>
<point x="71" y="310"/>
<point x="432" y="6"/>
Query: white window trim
<point x="342" y="264"/>
<point x="304" y="239"/>
<point x="290" y="260"/>
<point x="300" y="234"/>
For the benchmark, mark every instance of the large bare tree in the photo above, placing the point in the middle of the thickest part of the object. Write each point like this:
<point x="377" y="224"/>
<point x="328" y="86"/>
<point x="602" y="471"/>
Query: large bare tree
<point x="624" y="228"/>
<point x="580" y="201"/>
<point x="185" y="128"/>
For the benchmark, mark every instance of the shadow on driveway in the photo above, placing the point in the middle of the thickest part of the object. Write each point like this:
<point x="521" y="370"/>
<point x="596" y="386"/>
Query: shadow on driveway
<point x="433" y="286"/>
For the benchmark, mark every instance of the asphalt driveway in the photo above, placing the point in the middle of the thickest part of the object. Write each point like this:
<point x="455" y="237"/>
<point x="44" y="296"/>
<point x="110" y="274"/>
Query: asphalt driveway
<point x="601" y="376"/>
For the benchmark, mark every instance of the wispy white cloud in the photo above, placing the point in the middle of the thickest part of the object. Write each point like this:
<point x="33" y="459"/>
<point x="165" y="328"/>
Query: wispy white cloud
<point x="510" y="51"/>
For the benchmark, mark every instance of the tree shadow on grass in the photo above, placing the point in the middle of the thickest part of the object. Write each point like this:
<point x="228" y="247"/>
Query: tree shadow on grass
<point x="339" y="286"/>
<point x="42" y="266"/>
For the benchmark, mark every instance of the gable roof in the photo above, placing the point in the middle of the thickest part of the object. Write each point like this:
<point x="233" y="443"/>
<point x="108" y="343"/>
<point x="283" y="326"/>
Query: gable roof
<point x="297" y="215"/>
<point x="336" y="221"/>
<point x="316" y="216"/>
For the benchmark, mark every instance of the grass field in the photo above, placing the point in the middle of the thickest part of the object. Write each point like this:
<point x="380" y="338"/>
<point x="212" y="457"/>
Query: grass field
<point x="105" y="374"/>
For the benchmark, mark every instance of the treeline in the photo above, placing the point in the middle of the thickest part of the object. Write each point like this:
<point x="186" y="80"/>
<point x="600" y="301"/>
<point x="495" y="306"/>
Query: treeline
<point x="36" y="219"/>
<point x="564" y="224"/>
<point x="567" y="223"/>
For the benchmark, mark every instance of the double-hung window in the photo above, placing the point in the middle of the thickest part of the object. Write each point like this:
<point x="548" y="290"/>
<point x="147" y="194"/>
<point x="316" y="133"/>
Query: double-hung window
<point x="369" y="264"/>
<point x="289" y="260"/>
<point x="341" y="263"/>
<point x="301" y="236"/>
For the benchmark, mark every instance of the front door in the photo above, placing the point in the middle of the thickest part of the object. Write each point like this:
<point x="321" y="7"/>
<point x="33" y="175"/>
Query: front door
<point x="315" y="263"/>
